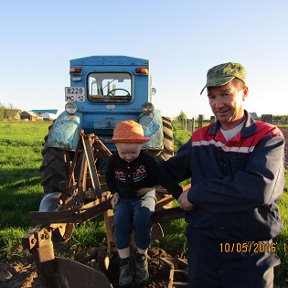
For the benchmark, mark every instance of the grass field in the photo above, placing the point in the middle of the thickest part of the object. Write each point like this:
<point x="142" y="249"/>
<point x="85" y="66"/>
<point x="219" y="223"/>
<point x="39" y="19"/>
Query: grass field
<point x="21" y="192"/>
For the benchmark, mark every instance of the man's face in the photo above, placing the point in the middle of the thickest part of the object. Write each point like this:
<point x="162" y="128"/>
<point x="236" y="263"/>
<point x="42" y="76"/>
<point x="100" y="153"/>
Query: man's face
<point x="227" y="104"/>
<point x="128" y="151"/>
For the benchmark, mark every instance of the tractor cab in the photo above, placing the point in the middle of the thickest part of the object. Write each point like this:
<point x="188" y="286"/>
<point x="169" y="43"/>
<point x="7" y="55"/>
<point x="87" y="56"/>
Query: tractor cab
<point x="105" y="90"/>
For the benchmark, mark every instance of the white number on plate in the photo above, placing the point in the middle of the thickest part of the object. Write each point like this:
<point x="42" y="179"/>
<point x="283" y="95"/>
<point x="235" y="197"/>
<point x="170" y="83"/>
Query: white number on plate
<point x="74" y="94"/>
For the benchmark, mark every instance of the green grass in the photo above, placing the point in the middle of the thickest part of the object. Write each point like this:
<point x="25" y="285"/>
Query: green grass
<point x="181" y="135"/>
<point x="20" y="160"/>
<point x="21" y="192"/>
<point x="9" y="237"/>
<point x="90" y="233"/>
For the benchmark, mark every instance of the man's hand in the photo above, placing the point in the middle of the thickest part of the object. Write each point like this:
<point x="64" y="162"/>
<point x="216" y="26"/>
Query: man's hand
<point x="115" y="200"/>
<point x="184" y="202"/>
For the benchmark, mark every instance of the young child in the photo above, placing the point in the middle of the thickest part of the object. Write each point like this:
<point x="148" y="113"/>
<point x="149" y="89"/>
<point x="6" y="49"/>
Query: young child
<point x="131" y="175"/>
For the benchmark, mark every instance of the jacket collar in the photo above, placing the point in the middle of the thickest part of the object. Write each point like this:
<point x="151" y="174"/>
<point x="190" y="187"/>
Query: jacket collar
<point x="249" y="127"/>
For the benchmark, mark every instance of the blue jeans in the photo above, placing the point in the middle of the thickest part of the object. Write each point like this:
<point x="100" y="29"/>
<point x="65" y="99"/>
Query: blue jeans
<point x="134" y="214"/>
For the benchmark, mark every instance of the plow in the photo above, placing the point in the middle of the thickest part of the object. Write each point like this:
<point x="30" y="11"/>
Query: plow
<point x="86" y="197"/>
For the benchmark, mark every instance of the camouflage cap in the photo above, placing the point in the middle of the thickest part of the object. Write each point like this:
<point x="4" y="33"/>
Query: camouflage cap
<point x="224" y="73"/>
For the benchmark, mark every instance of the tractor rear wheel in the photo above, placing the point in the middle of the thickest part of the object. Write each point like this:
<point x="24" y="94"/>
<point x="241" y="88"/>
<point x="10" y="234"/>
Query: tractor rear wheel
<point x="54" y="169"/>
<point x="168" y="150"/>
<point x="168" y="138"/>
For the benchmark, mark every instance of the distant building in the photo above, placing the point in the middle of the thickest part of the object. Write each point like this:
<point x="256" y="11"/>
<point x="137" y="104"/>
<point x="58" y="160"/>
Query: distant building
<point x="253" y="115"/>
<point x="267" y="118"/>
<point x="48" y="116"/>
<point x="53" y="111"/>
<point x="11" y="114"/>
<point x="30" y="116"/>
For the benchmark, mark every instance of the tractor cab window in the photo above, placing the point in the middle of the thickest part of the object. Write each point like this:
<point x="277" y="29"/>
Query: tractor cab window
<point x="110" y="87"/>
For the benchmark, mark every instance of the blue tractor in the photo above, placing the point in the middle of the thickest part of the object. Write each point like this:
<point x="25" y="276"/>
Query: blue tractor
<point x="104" y="90"/>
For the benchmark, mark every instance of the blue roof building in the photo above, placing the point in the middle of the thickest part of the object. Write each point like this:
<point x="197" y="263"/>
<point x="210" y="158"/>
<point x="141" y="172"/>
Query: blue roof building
<point x="53" y="111"/>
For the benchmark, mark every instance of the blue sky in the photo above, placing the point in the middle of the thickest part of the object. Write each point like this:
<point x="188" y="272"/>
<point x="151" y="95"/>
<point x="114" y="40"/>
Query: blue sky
<point x="182" y="40"/>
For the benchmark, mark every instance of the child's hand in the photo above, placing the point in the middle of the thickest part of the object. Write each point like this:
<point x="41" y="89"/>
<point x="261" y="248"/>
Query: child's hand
<point x="115" y="200"/>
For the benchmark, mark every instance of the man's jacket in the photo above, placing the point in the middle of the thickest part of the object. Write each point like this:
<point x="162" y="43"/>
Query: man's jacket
<point x="235" y="184"/>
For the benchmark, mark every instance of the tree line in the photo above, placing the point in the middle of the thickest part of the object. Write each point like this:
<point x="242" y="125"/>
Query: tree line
<point x="8" y="112"/>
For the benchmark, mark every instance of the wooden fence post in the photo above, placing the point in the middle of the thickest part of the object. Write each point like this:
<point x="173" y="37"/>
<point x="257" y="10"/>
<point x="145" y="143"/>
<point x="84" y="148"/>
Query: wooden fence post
<point x="267" y="118"/>
<point x="212" y="119"/>
<point x="200" y="121"/>
<point x="192" y="125"/>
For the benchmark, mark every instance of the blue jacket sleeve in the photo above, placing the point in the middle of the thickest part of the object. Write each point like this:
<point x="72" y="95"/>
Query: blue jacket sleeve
<point x="178" y="167"/>
<point x="162" y="177"/>
<point x="260" y="182"/>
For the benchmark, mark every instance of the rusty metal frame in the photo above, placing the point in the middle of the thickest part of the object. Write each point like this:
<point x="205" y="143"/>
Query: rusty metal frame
<point x="74" y="210"/>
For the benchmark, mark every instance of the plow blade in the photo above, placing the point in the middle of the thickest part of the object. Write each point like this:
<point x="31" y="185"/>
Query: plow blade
<point x="65" y="273"/>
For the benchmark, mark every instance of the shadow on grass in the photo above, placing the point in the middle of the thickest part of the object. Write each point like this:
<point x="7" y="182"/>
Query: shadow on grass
<point x="20" y="192"/>
<point x="14" y="178"/>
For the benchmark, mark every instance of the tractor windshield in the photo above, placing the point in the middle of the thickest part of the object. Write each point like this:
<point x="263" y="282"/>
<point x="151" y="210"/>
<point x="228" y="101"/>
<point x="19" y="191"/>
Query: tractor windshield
<point x="110" y="87"/>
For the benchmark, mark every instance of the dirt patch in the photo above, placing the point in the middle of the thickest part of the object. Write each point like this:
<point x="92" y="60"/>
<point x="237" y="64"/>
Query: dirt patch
<point x="23" y="274"/>
<point x="17" y="274"/>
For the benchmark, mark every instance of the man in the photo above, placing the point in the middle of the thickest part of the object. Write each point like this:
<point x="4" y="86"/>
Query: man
<point x="236" y="167"/>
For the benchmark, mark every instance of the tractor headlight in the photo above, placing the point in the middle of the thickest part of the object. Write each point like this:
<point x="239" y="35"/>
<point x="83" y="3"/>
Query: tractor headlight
<point x="71" y="108"/>
<point x="147" y="108"/>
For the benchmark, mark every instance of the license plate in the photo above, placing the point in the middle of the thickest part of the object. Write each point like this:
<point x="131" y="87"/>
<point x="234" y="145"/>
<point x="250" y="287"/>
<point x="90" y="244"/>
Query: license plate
<point x="75" y="94"/>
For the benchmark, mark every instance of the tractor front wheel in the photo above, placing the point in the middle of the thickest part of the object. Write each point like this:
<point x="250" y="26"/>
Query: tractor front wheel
<point x="54" y="169"/>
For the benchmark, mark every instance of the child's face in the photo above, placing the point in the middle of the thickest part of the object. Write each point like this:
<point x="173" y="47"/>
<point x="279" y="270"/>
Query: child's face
<point x="128" y="151"/>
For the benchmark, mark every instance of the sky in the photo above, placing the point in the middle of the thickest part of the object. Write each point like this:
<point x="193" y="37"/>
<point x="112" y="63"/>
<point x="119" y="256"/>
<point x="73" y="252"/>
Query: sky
<point x="181" y="39"/>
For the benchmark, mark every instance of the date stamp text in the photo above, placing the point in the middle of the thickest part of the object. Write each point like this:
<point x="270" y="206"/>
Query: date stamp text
<point x="252" y="247"/>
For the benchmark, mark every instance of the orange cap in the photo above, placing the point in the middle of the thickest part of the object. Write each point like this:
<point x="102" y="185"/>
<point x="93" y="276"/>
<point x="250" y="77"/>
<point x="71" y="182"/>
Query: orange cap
<point x="128" y="131"/>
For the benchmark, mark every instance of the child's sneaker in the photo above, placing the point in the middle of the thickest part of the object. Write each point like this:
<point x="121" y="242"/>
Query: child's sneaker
<point x="141" y="271"/>
<point x="125" y="278"/>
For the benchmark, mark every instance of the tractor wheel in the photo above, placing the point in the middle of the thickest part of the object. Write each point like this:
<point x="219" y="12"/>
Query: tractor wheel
<point x="54" y="175"/>
<point x="168" y="138"/>
<point x="168" y="150"/>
